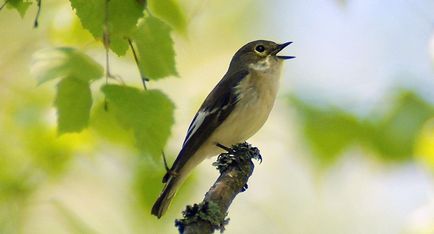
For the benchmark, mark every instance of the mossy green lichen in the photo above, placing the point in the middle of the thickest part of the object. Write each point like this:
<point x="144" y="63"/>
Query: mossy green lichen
<point x="206" y="211"/>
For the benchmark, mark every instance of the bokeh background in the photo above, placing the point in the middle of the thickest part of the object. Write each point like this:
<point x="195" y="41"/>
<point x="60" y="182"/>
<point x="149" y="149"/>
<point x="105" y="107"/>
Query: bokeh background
<point x="348" y="148"/>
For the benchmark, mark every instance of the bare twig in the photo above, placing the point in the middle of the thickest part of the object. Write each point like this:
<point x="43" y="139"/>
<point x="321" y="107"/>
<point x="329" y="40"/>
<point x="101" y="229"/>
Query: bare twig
<point x="235" y="168"/>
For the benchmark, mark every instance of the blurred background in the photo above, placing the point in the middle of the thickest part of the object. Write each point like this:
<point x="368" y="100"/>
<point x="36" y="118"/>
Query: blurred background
<point x="348" y="148"/>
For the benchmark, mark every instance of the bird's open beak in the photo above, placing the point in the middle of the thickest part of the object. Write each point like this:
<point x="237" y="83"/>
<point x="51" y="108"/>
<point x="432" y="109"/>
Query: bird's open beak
<point x="281" y="47"/>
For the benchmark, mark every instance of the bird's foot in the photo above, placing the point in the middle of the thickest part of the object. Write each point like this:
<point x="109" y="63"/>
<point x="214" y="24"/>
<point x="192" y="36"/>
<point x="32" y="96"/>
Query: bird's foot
<point x="250" y="151"/>
<point x="235" y="155"/>
<point x="169" y="173"/>
<point x="223" y="147"/>
<point x="244" y="188"/>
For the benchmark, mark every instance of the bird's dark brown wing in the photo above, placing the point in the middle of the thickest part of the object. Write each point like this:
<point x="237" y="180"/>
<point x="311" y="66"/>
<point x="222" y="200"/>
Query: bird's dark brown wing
<point x="214" y="110"/>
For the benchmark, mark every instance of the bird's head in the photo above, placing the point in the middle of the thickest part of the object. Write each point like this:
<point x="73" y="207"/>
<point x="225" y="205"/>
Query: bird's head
<point x="259" y="53"/>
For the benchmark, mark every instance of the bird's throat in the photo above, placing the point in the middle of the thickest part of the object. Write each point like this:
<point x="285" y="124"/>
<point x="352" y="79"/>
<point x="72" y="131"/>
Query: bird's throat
<point x="262" y="65"/>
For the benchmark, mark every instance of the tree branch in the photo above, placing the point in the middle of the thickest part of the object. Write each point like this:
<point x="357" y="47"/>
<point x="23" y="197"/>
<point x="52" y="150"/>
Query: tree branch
<point x="235" y="168"/>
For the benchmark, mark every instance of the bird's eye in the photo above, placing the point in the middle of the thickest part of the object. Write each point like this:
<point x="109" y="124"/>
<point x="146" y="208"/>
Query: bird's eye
<point x="260" y="48"/>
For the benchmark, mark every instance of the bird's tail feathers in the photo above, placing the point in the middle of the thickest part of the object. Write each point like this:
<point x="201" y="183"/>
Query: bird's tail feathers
<point x="169" y="191"/>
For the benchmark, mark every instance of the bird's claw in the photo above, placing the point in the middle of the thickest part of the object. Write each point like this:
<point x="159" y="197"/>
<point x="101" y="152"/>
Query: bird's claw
<point x="235" y="155"/>
<point x="244" y="188"/>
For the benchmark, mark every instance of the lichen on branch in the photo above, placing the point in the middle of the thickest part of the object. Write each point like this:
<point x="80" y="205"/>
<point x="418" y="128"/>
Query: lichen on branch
<point x="235" y="167"/>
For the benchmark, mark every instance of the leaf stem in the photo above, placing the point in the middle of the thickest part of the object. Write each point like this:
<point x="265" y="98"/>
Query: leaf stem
<point x="35" y="24"/>
<point x="142" y="76"/>
<point x="4" y="4"/>
<point x="106" y="42"/>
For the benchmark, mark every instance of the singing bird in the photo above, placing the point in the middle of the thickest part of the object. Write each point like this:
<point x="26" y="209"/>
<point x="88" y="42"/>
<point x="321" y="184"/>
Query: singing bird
<point x="235" y="109"/>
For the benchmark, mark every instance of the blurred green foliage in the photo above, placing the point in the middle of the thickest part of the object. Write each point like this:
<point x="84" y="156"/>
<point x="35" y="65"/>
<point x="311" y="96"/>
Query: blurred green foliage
<point x="31" y="153"/>
<point x="73" y="221"/>
<point x="138" y="120"/>
<point x="391" y="133"/>
<point x="147" y="181"/>
<point x="170" y="12"/>
<point x="149" y="114"/>
<point x="394" y="135"/>
<point x="329" y="130"/>
<point x="20" y="5"/>
<point x="63" y="62"/>
<point x="425" y="145"/>
<point x="73" y="99"/>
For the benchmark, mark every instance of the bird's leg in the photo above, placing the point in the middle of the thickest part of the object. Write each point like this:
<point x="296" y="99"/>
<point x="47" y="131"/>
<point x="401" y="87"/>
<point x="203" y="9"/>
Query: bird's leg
<point x="169" y="172"/>
<point x="223" y="147"/>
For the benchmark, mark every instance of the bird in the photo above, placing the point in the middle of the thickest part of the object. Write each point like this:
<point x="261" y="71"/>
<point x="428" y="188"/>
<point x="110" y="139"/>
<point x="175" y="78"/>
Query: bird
<point x="234" y="110"/>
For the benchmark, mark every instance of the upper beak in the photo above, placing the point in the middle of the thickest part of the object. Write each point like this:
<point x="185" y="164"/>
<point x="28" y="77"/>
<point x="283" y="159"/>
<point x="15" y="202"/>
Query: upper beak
<point x="281" y="47"/>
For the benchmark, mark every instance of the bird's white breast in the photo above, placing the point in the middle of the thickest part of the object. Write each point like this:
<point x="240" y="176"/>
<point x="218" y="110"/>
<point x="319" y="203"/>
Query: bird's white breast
<point x="256" y="96"/>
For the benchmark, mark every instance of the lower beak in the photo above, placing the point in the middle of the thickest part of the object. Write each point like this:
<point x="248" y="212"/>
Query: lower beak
<point x="281" y="47"/>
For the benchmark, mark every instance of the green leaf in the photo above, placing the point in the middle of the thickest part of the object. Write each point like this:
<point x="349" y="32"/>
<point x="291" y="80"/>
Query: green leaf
<point x="395" y="135"/>
<point x="170" y="12"/>
<point x="149" y="114"/>
<point x="54" y="63"/>
<point x="73" y="103"/>
<point x="329" y="131"/>
<point x="67" y="30"/>
<point x="50" y="154"/>
<point x="122" y="18"/>
<point x="20" y="5"/>
<point x="155" y="48"/>
<point x="106" y="125"/>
